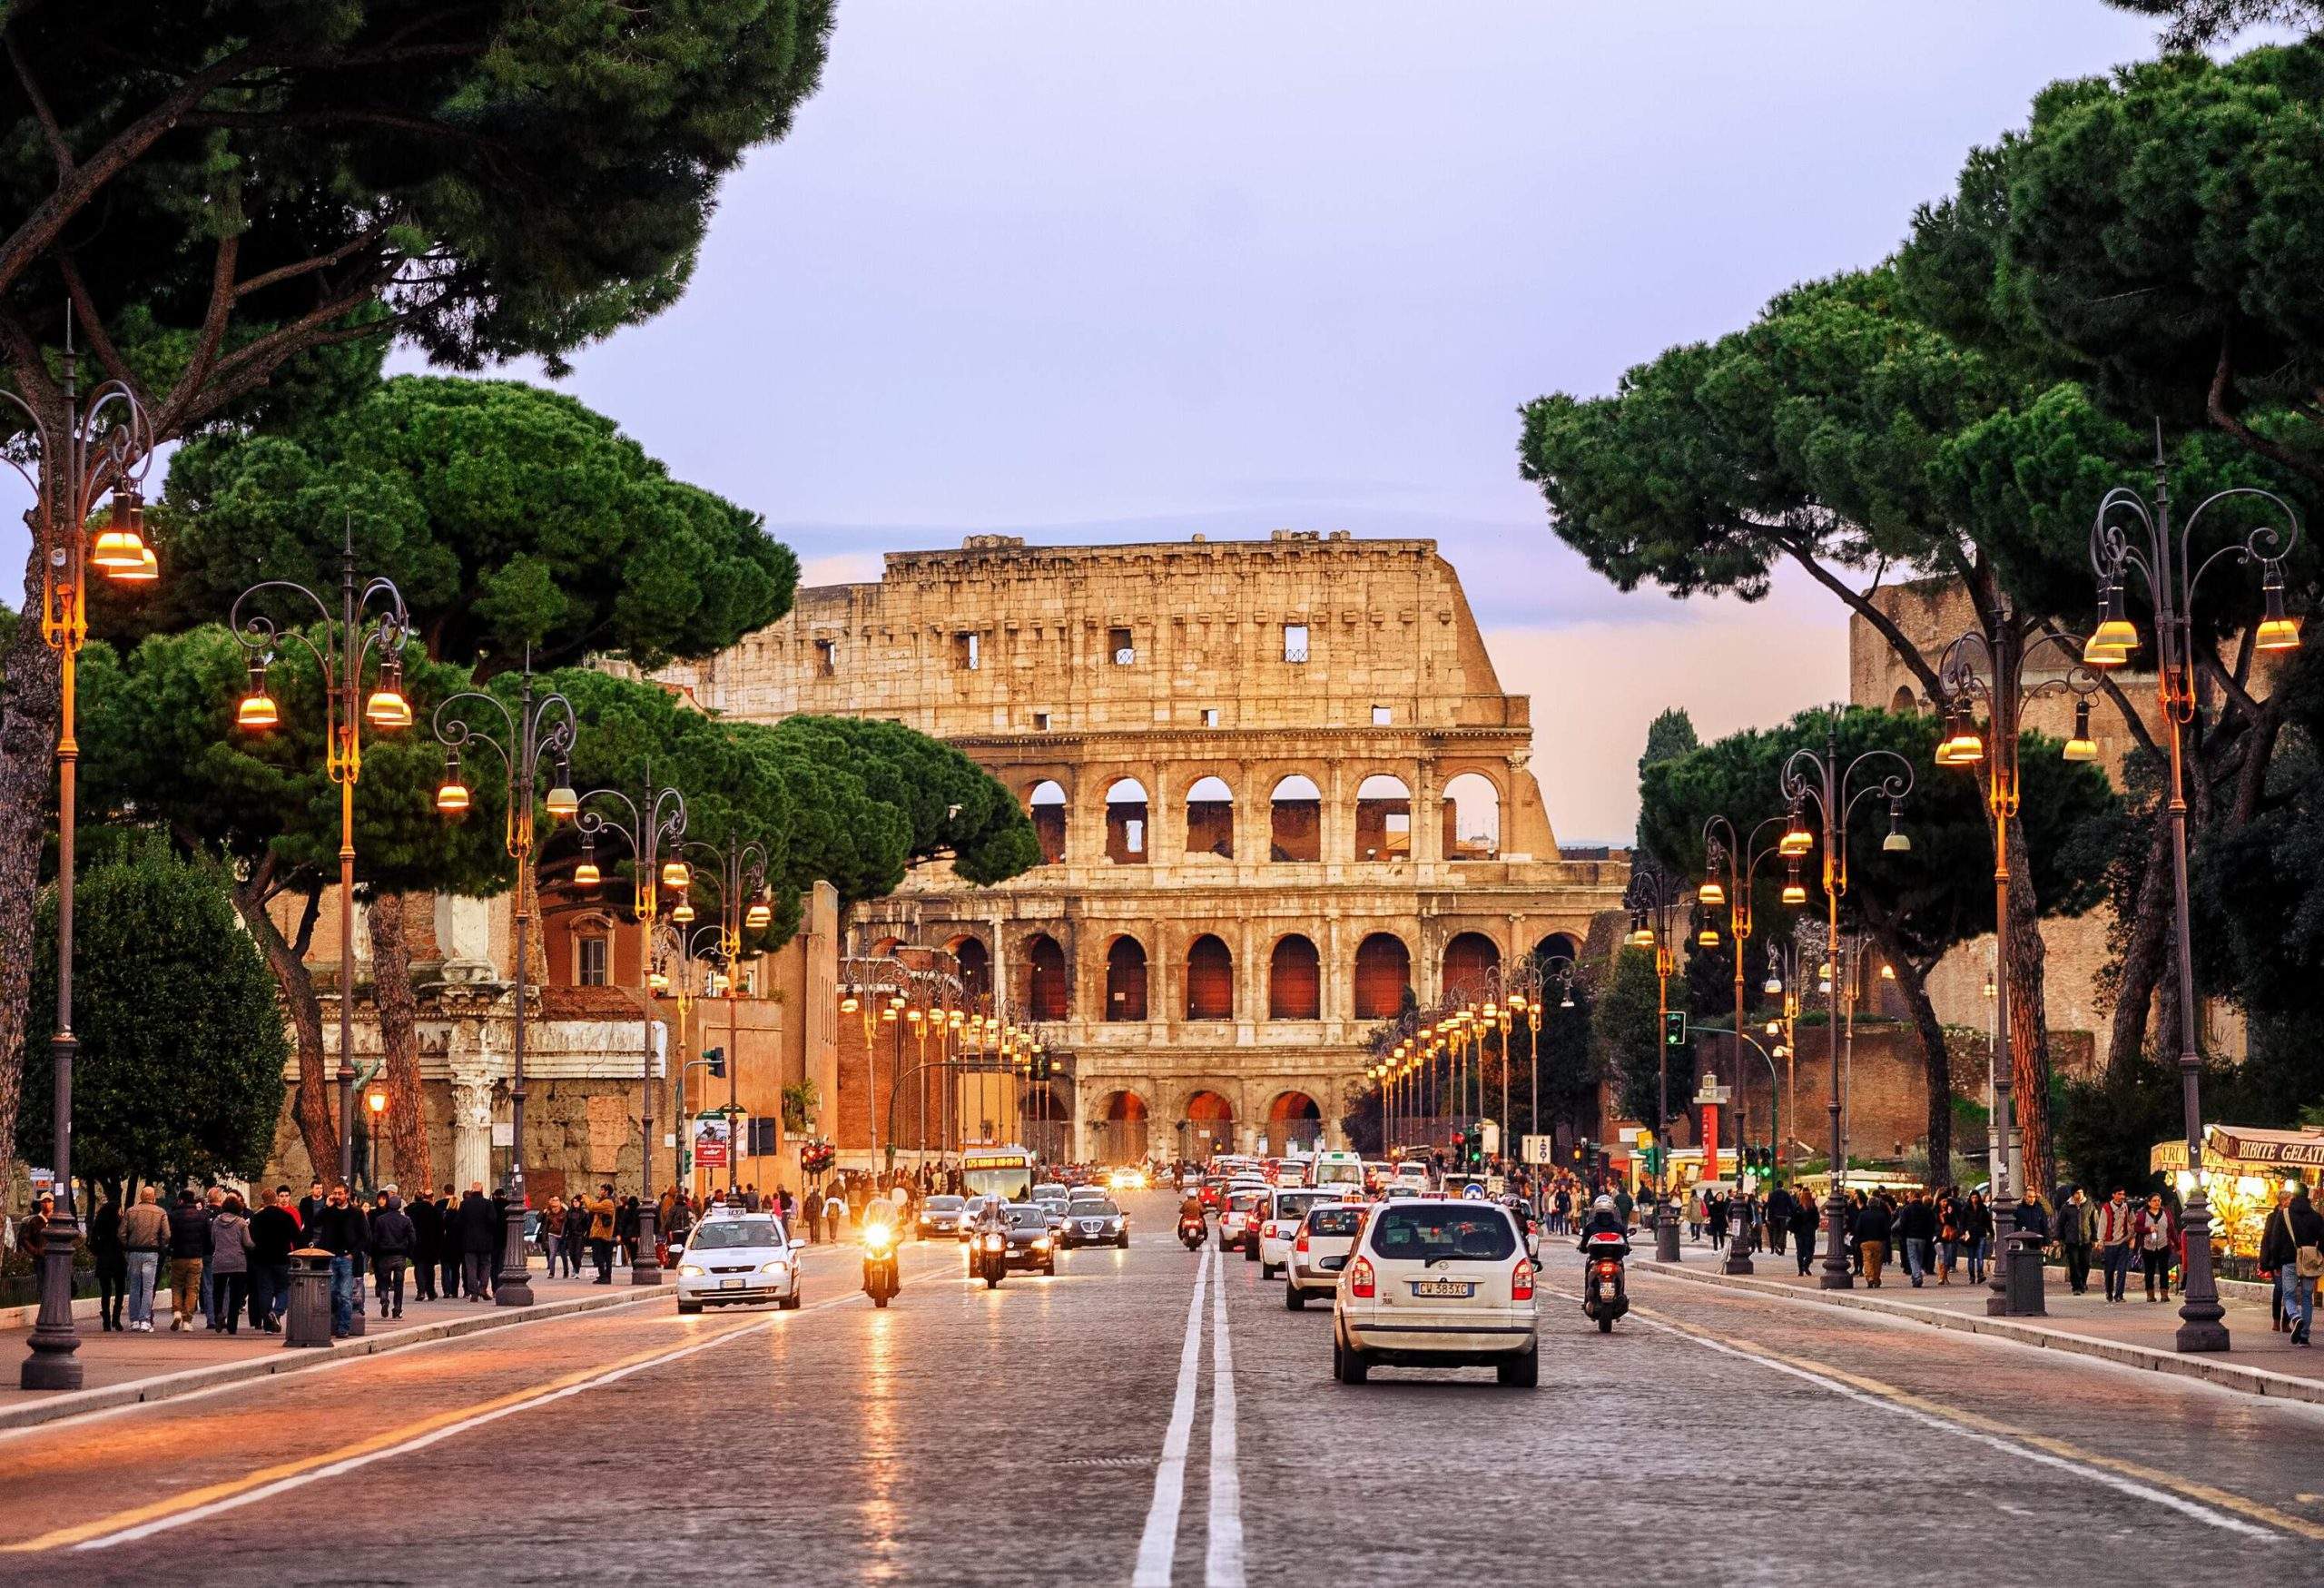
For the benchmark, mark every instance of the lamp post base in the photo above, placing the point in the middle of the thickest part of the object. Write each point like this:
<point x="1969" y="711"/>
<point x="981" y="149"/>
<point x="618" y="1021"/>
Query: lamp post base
<point x="647" y="1268"/>
<point x="1835" y="1274"/>
<point x="2203" y="1321"/>
<point x="1665" y="1233"/>
<point x="53" y="1362"/>
<point x="513" y="1285"/>
<point x="1738" y="1255"/>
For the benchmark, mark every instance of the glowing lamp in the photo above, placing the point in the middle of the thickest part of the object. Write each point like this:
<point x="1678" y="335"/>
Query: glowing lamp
<point x="1796" y="840"/>
<point x="562" y="801"/>
<point x="676" y="873"/>
<point x="120" y="549"/>
<point x="759" y="916"/>
<point x="683" y="914"/>
<point x="1711" y="893"/>
<point x="452" y="796"/>
<point x="256" y="712"/>
<point x="2277" y="632"/>
<point x="658" y="983"/>
<point x="2082" y="747"/>
<point x="387" y="707"/>
<point x="146" y="571"/>
<point x="585" y="875"/>
<point x="1793" y="893"/>
<point x="1707" y="938"/>
<point x="848" y="1005"/>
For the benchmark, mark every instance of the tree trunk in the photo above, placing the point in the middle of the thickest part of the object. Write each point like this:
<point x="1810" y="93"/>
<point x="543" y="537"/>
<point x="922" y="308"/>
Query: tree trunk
<point x="310" y="1106"/>
<point x="2029" y="1025"/>
<point x="29" y="709"/>
<point x="399" y="1011"/>
<point x="2144" y="951"/>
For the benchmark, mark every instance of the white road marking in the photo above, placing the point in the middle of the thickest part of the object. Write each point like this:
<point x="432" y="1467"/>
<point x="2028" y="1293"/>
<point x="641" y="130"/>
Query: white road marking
<point x="1223" y="1565"/>
<point x="1159" y="1542"/>
<point x="2137" y="1491"/>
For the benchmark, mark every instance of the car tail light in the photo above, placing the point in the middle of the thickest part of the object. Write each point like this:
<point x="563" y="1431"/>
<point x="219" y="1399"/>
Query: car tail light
<point x="1520" y="1283"/>
<point x="1268" y="1232"/>
<point x="1301" y="1244"/>
<point x="1359" y="1278"/>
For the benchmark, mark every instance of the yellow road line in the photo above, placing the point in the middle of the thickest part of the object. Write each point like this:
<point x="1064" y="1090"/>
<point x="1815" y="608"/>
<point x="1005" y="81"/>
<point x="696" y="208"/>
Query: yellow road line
<point x="2202" y="1493"/>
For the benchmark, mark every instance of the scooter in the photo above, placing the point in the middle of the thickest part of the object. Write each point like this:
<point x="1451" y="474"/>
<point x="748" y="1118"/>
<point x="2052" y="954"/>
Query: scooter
<point x="989" y="1258"/>
<point x="1195" y="1232"/>
<point x="880" y="1278"/>
<point x="1604" y="1296"/>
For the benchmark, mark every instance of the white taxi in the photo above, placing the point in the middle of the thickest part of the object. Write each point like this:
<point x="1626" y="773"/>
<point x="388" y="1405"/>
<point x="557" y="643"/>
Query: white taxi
<point x="1278" y="1217"/>
<point x="1437" y="1285"/>
<point x="737" y="1262"/>
<point x="1319" y="1250"/>
<point x="1238" y="1217"/>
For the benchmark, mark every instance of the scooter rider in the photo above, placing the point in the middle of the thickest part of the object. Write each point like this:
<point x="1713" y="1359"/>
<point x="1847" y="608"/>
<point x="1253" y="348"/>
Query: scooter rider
<point x="1605" y="1218"/>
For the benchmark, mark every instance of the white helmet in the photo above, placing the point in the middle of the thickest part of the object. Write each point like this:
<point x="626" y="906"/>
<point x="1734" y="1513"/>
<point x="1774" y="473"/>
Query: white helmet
<point x="1604" y="1204"/>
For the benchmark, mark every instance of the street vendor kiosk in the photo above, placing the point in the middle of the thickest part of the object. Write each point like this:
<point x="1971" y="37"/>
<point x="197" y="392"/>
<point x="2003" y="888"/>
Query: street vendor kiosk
<point x="2242" y="1170"/>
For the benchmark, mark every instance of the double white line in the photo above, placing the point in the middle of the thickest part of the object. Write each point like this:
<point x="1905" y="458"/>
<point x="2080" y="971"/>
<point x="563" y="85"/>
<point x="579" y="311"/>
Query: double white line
<point x="1223" y="1560"/>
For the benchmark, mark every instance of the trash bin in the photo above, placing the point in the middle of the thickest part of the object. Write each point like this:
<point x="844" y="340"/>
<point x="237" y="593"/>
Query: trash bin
<point x="308" y="1322"/>
<point x="2025" y="1287"/>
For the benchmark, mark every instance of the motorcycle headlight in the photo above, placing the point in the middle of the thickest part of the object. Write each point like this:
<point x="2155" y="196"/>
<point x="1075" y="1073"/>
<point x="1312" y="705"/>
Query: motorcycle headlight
<point x="690" y="1270"/>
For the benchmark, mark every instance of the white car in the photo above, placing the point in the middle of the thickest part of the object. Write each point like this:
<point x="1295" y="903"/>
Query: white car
<point x="1278" y="1219"/>
<point x="1437" y="1285"/>
<point x="737" y="1262"/>
<point x="1319" y="1250"/>
<point x="1413" y="1173"/>
<point x="1236" y="1219"/>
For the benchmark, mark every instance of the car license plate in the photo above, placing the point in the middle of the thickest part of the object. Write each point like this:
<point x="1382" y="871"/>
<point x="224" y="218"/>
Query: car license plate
<point x="1454" y="1287"/>
<point x="730" y="1284"/>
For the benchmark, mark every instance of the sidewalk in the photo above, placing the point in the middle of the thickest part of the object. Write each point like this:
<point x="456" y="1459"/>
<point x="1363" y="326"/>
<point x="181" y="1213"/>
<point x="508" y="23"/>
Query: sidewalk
<point x="2137" y="1333"/>
<point x="118" y="1369"/>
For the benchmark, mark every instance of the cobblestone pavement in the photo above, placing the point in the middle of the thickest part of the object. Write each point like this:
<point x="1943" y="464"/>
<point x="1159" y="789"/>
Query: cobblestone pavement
<point x="1156" y="1416"/>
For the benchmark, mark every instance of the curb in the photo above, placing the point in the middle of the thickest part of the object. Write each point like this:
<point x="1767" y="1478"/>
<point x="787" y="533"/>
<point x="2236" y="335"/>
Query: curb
<point x="284" y="1361"/>
<point x="2230" y="1376"/>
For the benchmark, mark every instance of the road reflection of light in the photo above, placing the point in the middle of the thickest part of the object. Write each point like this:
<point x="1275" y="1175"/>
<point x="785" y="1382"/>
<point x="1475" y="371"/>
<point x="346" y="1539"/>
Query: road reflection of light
<point x="881" y="1437"/>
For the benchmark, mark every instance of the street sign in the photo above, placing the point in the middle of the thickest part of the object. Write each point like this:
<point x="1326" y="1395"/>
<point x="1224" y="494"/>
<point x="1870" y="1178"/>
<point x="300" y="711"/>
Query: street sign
<point x="1496" y="1184"/>
<point x="714" y="1138"/>
<point x="504" y="1133"/>
<point x="1473" y="1191"/>
<point x="1540" y="1150"/>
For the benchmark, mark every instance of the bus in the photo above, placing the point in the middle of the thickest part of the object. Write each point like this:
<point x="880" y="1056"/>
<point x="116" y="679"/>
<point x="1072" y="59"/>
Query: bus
<point x="1006" y="1172"/>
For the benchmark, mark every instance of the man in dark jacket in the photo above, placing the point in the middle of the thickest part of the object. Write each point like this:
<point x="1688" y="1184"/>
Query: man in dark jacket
<point x="1916" y="1230"/>
<point x="274" y="1236"/>
<point x="1874" y="1222"/>
<point x="2307" y="1235"/>
<point x="1803" y="1229"/>
<point x="1778" y="1217"/>
<point x="427" y="1243"/>
<point x="337" y="1229"/>
<point x="447" y="1207"/>
<point x="478" y="1232"/>
<point x="189" y="1250"/>
<point x="393" y="1236"/>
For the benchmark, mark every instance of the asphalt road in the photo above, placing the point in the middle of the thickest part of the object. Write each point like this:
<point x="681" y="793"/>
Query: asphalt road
<point x="1091" y="1429"/>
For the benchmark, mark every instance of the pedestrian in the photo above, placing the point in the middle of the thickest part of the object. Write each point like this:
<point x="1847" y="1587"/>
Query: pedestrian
<point x="1874" y="1222"/>
<point x="1715" y="1219"/>
<point x="750" y="1199"/>
<point x="111" y="1261"/>
<point x="274" y="1235"/>
<point x="603" y="1212"/>
<point x="1803" y="1231"/>
<point x="312" y="1202"/>
<point x="2278" y="1258"/>
<point x="1948" y="1234"/>
<point x="478" y="1232"/>
<point x="834" y="1211"/>
<point x="576" y="1234"/>
<point x="1916" y="1230"/>
<point x="189" y="1249"/>
<point x="2114" y="1232"/>
<point x="1778" y="1217"/>
<point x="2076" y="1233"/>
<point x="2307" y="1226"/>
<point x="1854" y="1206"/>
<point x="1624" y="1207"/>
<point x="215" y="1200"/>
<point x="336" y="1229"/>
<point x="553" y="1231"/>
<point x="2153" y="1230"/>
<point x="230" y="1265"/>
<point x="448" y="1254"/>
<point x="145" y="1237"/>
<point x="1977" y="1236"/>
<point x="626" y="1226"/>
<point x="427" y="1244"/>
<point x="393" y="1236"/>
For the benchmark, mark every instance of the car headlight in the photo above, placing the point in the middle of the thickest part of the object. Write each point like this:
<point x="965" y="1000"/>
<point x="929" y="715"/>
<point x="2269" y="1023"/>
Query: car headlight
<point x="690" y="1270"/>
<point x="1040" y="1243"/>
<point x="776" y="1267"/>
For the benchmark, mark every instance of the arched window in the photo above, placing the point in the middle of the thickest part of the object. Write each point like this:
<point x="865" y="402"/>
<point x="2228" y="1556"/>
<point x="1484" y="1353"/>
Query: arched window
<point x="1210" y="818"/>
<point x="1298" y="820"/>
<point x="1126" y="980"/>
<point x="1047" y="807"/>
<point x="1384" y="969"/>
<point x="1471" y="818"/>
<point x="1469" y="960"/>
<point x="1557" y="946"/>
<point x="1045" y="980"/>
<point x="1903" y="703"/>
<point x="1210" y="979"/>
<point x="1384" y="819"/>
<point x="1294" y="1122"/>
<point x="1125" y="823"/>
<point x="976" y="966"/>
<point x="1295" y="981"/>
<point x="1124" y="1137"/>
<point x="1209" y="1126"/>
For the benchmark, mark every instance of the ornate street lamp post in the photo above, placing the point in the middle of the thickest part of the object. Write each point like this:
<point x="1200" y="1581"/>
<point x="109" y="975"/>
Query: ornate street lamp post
<point x="658" y="820"/>
<point x="1833" y="789"/>
<point x="683" y="947"/>
<point x="739" y="880"/>
<point x="105" y="445"/>
<point x="342" y="657"/>
<point x="1653" y="900"/>
<point x="2004" y="655"/>
<point x="2129" y="534"/>
<point x="1738" y="858"/>
<point x="536" y="732"/>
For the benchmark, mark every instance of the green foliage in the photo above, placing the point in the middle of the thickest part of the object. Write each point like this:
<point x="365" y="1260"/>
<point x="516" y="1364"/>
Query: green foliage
<point x="1568" y="1066"/>
<point x="2193" y="23"/>
<point x="486" y="180"/>
<point x="956" y="807"/>
<point x="180" y="1070"/>
<point x="2258" y="891"/>
<point x="509" y="517"/>
<point x="1669" y="735"/>
<point x="1627" y="1038"/>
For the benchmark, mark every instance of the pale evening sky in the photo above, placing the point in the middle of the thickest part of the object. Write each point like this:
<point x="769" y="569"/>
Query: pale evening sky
<point x="1134" y="271"/>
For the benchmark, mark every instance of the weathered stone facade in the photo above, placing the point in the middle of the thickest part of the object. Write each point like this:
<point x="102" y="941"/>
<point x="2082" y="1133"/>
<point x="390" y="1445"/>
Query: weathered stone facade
<point x="1279" y="781"/>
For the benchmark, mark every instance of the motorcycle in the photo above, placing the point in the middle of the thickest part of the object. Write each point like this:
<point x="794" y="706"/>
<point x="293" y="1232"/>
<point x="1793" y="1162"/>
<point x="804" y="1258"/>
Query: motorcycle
<point x="1604" y="1295"/>
<point x="1194" y="1231"/>
<point x="880" y="1278"/>
<point x="989" y="1258"/>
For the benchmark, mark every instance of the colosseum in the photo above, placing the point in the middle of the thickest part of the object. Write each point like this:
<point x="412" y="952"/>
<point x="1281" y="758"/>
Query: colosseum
<point x="1277" y="786"/>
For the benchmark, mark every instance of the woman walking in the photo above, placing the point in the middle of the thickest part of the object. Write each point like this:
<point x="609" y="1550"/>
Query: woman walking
<point x="230" y="1265"/>
<point x="1977" y="1234"/>
<point x="112" y="1263"/>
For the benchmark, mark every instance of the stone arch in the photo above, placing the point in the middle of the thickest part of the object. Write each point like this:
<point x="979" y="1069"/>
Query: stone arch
<point x="1470" y="957"/>
<point x="1383" y="818"/>
<point x="975" y="961"/>
<point x="1207" y="1124"/>
<point x="1295" y="819"/>
<point x="1125" y="979"/>
<point x="1128" y="824"/>
<point x="1294" y="980"/>
<point x="1210" y="979"/>
<point x="1046" y="804"/>
<point x="1045" y="1121"/>
<point x="1383" y="975"/>
<point x="1120" y="1130"/>
<point x="1210" y="818"/>
<point x="1295" y="1119"/>
<point x="1047" y="992"/>
<point x="1904" y="702"/>
<point x="1472" y="803"/>
<point x="1557" y="945"/>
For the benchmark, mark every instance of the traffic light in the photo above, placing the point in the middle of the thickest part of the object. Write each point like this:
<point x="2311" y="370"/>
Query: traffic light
<point x="1674" y="1028"/>
<point x="1585" y="1151"/>
<point x="716" y="1058"/>
<point x="1044" y="1066"/>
